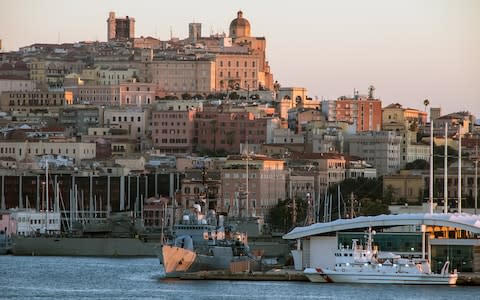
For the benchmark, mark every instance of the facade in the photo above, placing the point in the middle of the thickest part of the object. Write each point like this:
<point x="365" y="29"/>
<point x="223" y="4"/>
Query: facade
<point x="409" y="118"/>
<point x="226" y="131"/>
<point x="133" y="121"/>
<point x="365" y="113"/>
<point x="136" y="94"/>
<point x="34" y="102"/>
<point x="240" y="33"/>
<point x="25" y="149"/>
<point x="78" y="119"/>
<point x="120" y="29"/>
<point x="115" y="75"/>
<point x="173" y="130"/>
<point x="406" y="187"/>
<point x="177" y="77"/>
<point x="108" y="95"/>
<point x="266" y="185"/>
<point x="380" y="149"/>
<point x="9" y="83"/>
<point x="237" y="71"/>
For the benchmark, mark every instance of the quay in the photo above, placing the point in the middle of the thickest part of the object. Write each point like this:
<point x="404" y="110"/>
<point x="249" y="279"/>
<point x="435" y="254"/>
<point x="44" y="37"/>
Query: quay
<point x="272" y="275"/>
<point x="289" y="275"/>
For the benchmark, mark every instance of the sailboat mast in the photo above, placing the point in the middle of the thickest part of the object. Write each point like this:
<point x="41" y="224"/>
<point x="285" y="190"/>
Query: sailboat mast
<point x="430" y="191"/>
<point x="46" y="197"/>
<point x="459" y="170"/>
<point x="445" y="173"/>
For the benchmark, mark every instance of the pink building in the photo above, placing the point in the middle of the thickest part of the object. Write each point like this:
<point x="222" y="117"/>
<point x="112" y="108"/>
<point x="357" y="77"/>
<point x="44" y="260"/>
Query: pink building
<point x="365" y="113"/>
<point x="172" y="130"/>
<point x="7" y="224"/>
<point x="216" y="131"/>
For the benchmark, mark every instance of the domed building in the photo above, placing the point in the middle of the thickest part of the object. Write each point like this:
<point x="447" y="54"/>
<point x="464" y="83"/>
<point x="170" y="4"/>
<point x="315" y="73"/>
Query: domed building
<point x="239" y="27"/>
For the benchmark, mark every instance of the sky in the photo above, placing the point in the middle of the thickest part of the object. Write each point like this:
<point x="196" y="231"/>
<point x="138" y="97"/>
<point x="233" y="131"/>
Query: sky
<point x="410" y="50"/>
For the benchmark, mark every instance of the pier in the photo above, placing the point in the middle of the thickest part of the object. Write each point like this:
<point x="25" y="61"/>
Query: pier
<point x="289" y="275"/>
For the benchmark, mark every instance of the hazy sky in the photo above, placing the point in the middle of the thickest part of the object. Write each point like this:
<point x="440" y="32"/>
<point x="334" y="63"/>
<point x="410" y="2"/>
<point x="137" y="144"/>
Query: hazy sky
<point x="408" y="49"/>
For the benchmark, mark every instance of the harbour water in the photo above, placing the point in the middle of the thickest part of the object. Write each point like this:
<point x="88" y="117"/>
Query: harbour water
<point x="27" y="277"/>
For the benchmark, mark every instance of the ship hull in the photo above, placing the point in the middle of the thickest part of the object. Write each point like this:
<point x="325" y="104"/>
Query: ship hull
<point x="177" y="261"/>
<point x="64" y="246"/>
<point x="332" y="276"/>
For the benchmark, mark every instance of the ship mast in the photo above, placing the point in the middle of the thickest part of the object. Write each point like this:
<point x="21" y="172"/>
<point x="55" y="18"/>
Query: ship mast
<point x="46" y="197"/>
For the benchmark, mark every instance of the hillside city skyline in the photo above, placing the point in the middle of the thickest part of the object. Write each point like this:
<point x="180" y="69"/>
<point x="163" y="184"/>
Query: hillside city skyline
<point x="447" y="52"/>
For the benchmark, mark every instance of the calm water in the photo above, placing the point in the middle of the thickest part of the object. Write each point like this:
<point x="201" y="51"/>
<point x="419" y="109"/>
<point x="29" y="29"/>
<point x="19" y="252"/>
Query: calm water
<point x="103" y="278"/>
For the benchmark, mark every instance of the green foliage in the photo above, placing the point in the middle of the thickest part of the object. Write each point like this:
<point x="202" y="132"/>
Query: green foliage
<point x="439" y="156"/>
<point x="186" y="96"/>
<point x="418" y="164"/>
<point x="281" y="216"/>
<point x="233" y="96"/>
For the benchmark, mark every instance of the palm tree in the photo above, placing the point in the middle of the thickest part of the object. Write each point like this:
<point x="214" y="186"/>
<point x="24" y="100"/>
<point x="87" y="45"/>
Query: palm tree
<point x="426" y="103"/>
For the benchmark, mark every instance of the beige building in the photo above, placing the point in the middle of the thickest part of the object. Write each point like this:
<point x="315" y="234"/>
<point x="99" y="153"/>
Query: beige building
<point x="8" y="83"/>
<point x="266" y="185"/>
<point x="406" y="122"/>
<point x="176" y="77"/>
<point x="405" y="187"/>
<point x="133" y="121"/>
<point x="23" y="150"/>
<point x="237" y="71"/>
<point x="34" y="102"/>
<point x="115" y="75"/>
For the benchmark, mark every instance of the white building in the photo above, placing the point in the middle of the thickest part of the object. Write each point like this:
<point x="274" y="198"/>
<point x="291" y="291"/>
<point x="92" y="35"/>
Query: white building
<point x="378" y="148"/>
<point x="30" y="222"/>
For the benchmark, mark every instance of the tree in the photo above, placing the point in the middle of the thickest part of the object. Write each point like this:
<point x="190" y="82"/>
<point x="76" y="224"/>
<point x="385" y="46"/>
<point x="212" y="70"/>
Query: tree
<point x="233" y="96"/>
<point x="418" y="164"/>
<point x="186" y="96"/>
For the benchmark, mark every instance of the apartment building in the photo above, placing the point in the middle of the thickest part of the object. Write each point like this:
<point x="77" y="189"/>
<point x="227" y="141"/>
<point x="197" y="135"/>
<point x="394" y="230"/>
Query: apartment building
<point x="378" y="148"/>
<point x="25" y="149"/>
<point x="173" y="130"/>
<point x="255" y="191"/>
<point x="365" y="113"/>
<point x="25" y="102"/>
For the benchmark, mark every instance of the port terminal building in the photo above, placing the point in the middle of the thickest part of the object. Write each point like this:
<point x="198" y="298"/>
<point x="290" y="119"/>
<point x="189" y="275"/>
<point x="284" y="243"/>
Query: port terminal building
<point x="437" y="237"/>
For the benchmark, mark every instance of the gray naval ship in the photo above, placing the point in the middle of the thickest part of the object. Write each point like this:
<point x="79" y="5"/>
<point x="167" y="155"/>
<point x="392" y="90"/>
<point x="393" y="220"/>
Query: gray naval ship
<point x="204" y="243"/>
<point x="116" y="236"/>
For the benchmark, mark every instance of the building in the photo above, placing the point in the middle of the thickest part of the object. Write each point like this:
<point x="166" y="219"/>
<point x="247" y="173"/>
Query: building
<point x="380" y="149"/>
<point x="364" y="112"/>
<point x="10" y="83"/>
<point x="226" y="131"/>
<point x="130" y="123"/>
<point x="120" y="29"/>
<point x="23" y="150"/>
<point x="34" y="102"/>
<point x="177" y="77"/>
<point x="253" y="190"/>
<point x="173" y="130"/>
<point x="406" y="187"/>
<point x="448" y="237"/>
<point x="77" y="119"/>
<point x="240" y="33"/>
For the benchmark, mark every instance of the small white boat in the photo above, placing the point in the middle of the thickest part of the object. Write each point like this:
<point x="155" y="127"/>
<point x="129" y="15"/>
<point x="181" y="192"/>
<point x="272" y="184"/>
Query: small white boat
<point x="366" y="265"/>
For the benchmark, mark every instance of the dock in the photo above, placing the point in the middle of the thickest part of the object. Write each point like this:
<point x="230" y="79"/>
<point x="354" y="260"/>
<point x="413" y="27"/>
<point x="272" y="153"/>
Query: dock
<point x="272" y="275"/>
<point x="289" y="275"/>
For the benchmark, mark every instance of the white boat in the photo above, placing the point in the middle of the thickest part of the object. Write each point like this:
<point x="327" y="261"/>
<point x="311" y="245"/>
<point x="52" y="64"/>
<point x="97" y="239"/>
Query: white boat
<point x="366" y="265"/>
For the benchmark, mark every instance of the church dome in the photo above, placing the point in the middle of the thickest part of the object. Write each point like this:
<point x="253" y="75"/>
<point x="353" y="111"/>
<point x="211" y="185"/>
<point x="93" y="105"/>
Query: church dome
<point x="239" y="27"/>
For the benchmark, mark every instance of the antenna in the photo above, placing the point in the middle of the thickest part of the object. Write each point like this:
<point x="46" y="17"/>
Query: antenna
<point x="171" y="34"/>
